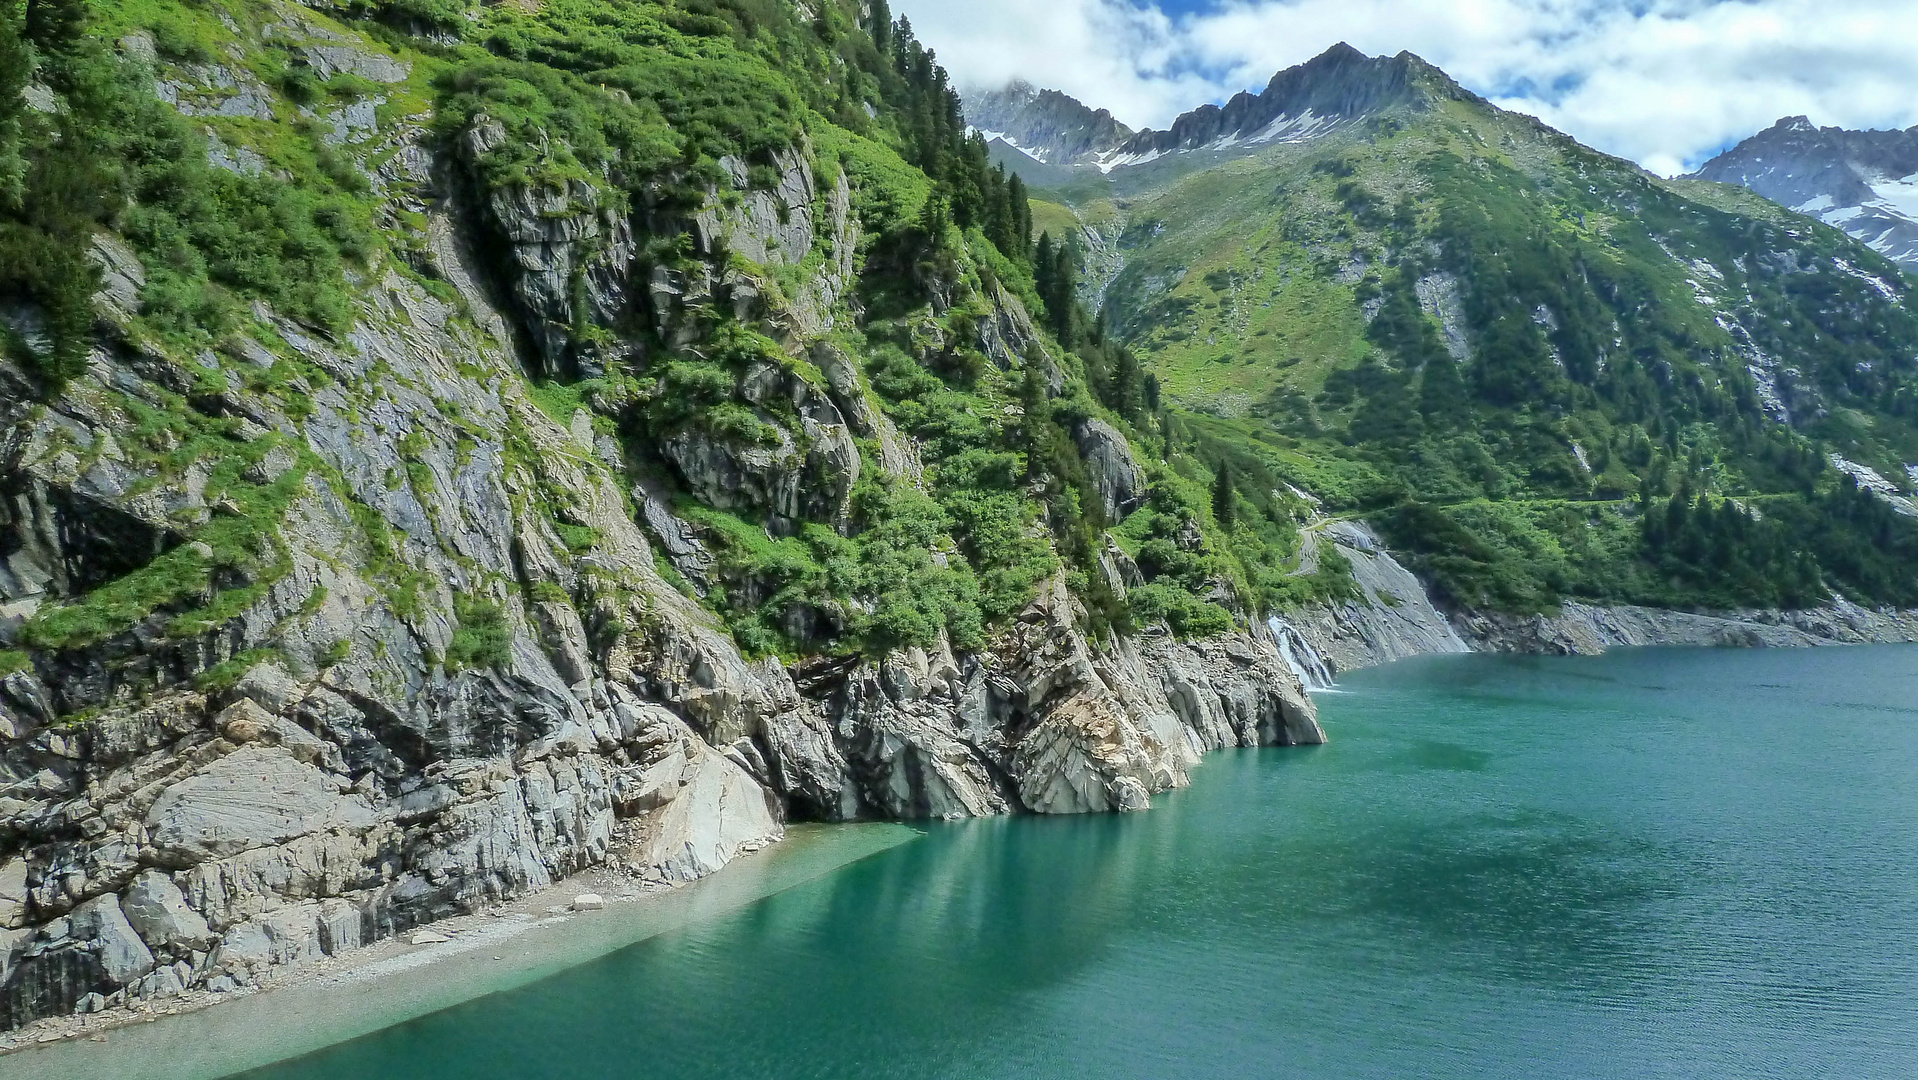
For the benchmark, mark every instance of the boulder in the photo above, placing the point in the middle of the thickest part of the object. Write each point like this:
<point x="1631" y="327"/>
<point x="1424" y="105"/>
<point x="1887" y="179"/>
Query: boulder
<point x="1115" y="475"/>
<point x="159" y="913"/>
<point x="267" y="684"/>
<point x="124" y="958"/>
<point x="589" y="902"/>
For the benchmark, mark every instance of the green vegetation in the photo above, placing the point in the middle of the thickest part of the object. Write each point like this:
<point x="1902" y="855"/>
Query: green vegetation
<point x="112" y="155"/>
<point x="233" y="557"/>
<point x="1514" y="355"/>
<point x="1527" y="365"/>
<point x="483" y="638"/>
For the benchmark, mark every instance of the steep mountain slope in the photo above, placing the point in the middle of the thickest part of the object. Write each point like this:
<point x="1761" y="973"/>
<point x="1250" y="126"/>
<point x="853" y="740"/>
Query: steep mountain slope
<point x="1864" y="182"/>
<point x="1541" y="373"/>
<point x="446" y="449"/>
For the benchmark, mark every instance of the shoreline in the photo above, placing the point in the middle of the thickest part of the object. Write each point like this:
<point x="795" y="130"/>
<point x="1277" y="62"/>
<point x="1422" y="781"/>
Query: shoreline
<point x="205" y="1036"/>
<point x="1395" y="617"/>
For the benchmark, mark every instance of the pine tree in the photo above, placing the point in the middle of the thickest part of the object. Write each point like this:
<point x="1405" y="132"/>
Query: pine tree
<point x="1223" y="510"/>
<point x="1126" y="384"/>
<point x="55" y="25"/>
<point x="1021" y="217"/>
<point x="1035" y="403"/>
<point x="15" y="67"/>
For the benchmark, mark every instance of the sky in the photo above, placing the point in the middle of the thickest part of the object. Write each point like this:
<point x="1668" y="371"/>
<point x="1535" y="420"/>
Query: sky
<point x="1666" y="83"/>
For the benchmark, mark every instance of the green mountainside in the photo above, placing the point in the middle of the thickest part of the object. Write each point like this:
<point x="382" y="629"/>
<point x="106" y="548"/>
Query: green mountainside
<point x="1538" y="370"/>
<point x="449" y="448"/>
<point x="627" y="112"/>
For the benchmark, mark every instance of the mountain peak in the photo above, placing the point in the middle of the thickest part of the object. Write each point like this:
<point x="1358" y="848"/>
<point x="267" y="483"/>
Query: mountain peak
<point x="1045" y="125"/>
<point x="1859" y="181"/>
<point x="1331" y="90"/>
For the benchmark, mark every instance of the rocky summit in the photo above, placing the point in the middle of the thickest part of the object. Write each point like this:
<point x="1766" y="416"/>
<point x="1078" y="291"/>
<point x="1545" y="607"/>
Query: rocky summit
<point x="1864" y="182"/>
<point x="1335" y="88"/>
<point x="445" y="450"/>
<point x="1045" y="125"/>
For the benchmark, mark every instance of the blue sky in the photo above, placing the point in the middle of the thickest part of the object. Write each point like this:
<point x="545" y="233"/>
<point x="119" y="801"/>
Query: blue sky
<point x="1663" y="82"/>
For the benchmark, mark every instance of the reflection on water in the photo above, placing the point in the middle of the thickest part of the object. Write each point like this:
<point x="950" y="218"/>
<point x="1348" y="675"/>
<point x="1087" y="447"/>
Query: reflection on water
<point x="1503" y="868"/>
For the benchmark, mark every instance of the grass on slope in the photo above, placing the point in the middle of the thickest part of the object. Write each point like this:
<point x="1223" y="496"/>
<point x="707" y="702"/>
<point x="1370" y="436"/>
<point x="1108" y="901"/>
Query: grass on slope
<point x="1607" y="322"/>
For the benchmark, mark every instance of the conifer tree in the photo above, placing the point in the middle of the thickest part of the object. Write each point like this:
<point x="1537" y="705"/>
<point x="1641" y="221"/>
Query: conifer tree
<point x="1035" y="404"/>
<point x="55" y="25"/>
<point x="1222" y="496"/>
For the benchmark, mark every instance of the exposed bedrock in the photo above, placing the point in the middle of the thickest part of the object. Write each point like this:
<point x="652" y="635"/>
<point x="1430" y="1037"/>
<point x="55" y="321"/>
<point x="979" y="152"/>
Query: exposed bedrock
<point x="430" y="661"/>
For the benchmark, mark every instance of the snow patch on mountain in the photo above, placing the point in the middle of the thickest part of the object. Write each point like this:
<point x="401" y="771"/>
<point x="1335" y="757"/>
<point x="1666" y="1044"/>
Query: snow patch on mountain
<point x="1037" y="154"/>
<point x="1873" y="280"/>
<point x="1899" y="196"/>
<point x="1863" y="182"/>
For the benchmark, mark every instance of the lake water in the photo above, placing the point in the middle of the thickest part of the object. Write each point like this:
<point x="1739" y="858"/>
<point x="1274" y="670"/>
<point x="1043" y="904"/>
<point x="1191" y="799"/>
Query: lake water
<point x="1652" y="864"/>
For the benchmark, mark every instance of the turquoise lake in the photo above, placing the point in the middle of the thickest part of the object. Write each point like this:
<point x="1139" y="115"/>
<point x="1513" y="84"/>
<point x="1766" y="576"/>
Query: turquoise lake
<point x="1651" y="864"/>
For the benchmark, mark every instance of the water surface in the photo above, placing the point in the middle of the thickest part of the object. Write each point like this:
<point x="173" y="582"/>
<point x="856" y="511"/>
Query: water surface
<point x="1652" y="864"/>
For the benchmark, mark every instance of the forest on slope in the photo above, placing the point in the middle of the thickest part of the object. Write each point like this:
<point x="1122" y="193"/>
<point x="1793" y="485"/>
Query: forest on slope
<point x="1539" y="371"/>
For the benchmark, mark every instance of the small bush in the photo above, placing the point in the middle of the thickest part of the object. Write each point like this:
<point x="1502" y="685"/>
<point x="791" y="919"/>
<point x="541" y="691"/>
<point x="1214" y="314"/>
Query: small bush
<point x="483" y="639"/>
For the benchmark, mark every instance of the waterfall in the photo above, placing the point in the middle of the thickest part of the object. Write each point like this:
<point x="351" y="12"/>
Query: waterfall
<point x="1304" y="660"/>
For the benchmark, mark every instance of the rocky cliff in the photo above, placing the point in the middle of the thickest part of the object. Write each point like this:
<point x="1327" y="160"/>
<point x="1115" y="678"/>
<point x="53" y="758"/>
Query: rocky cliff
<point x="1046" y="125"/>
<point x="561" y="547"/>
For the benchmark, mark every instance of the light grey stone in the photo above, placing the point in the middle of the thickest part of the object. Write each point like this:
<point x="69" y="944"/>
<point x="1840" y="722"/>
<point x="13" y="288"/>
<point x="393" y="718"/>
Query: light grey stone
<point x="123" y="956"/>
<point x="156" y="910"/>
<point x="1116" y="476"/>
<point x="13" y="893"/>
<point x="255" y="797"/>
<point x="268" y="686"/>
<point x="330" y="60"/>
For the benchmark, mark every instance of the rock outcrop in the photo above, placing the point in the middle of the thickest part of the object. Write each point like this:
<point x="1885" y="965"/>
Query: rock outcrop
<point x="1045" y="721"/>
<point x="314" y="638"/>
<point x="1395" y="618"/>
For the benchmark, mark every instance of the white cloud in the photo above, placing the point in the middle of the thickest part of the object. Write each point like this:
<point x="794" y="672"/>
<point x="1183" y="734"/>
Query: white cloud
<point x="1664" y="82"/>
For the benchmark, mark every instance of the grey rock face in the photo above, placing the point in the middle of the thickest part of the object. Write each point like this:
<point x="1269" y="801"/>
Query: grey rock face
<point x="158" y="912"/>
<point x="330" y="60"/>
<point x="775" y="478"/>
<point x="1312" y="99"/>
<point x="1043" y="722"/>
<point x="1046" y="124"/>
<point x="772" y="227"/>
<point x="250" y="798"/>
<point x="100" y="925"/>
<point x="1115" y="474"/>
<point x="460" y="677"/>
<point x="1395" y="619"/>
